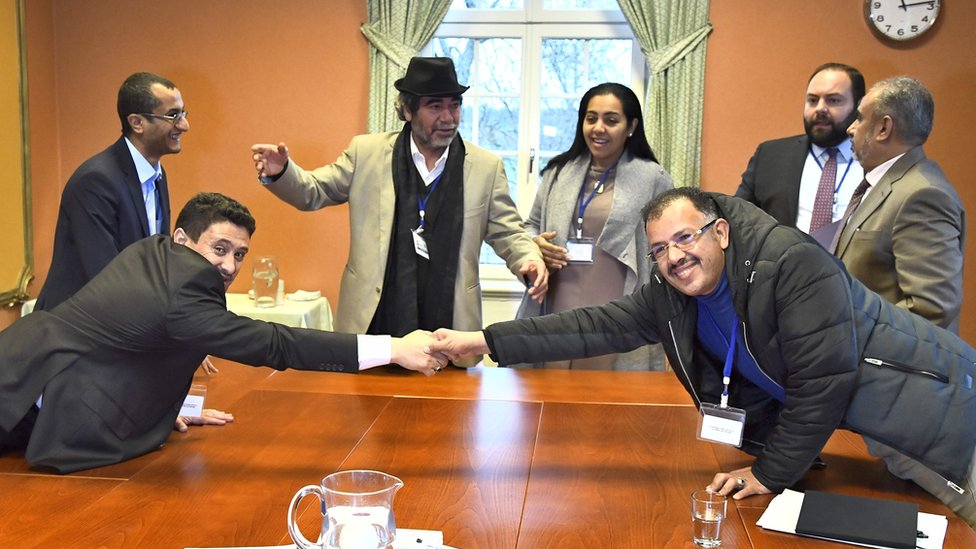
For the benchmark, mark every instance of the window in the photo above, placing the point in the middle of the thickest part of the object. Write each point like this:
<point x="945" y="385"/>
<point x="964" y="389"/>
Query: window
<point x="528" y="62"/>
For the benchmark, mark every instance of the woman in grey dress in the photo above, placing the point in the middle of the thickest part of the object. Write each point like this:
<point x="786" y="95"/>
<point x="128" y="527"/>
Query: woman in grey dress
<point x="586" y="217"/>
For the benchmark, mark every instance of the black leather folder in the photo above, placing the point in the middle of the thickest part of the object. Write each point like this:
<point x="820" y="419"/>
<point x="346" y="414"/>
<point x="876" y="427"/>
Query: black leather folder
<point x="858" y="519"/>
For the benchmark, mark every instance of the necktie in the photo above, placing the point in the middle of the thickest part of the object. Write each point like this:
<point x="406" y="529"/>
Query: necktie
<point x="150" y="193"/>
<point x="859" y="192"/>
<point x="823" y="205"/>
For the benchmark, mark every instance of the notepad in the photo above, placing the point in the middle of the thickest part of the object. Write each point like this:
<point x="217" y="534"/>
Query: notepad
<point x="858" y="519"/>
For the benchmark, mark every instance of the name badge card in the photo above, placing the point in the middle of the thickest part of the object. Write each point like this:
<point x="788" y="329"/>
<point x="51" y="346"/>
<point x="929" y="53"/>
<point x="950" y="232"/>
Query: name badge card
<point x="419" y="244"/>
<point x="580" y="249"/>
<point x="722" y="425"/>
<point x="193" y="403"/>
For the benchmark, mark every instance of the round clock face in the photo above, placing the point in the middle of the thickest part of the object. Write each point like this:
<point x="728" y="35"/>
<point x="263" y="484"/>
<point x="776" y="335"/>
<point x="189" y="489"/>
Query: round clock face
<point x="902" y="19"/>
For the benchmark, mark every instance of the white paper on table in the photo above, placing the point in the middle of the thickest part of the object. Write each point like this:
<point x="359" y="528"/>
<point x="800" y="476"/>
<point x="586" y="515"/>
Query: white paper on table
<point x="784" y="510"/>
<point x="303" y="295"/>
<point x="406" y="538"/>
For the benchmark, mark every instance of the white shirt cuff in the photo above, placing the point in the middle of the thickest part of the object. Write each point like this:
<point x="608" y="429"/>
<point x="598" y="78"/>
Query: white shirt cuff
<point x="374" y="350"/>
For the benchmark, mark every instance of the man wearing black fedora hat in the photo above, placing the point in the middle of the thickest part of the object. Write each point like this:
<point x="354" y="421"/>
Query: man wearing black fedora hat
<point x="421" y="201"/>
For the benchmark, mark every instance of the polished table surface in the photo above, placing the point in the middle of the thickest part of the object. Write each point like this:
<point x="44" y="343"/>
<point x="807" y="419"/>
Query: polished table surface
<point x="494" y="458"/>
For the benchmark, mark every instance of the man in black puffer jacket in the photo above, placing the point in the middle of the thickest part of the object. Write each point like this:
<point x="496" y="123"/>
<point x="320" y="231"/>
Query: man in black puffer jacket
<point x="813" y="349"/>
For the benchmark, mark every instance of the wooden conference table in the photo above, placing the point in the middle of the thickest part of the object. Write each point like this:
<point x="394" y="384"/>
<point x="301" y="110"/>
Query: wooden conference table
<point x="494" y="458"/>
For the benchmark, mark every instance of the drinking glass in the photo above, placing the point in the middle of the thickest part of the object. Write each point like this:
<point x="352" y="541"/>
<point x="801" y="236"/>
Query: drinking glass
<point x="264" y="281"/>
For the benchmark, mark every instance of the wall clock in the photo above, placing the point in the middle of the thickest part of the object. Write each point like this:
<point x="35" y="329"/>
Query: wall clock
<point x="901" y="19"/>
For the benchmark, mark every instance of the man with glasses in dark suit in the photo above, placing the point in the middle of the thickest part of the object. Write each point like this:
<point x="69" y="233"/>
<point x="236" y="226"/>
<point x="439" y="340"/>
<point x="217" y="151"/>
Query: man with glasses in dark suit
<point x="121" y="194"/>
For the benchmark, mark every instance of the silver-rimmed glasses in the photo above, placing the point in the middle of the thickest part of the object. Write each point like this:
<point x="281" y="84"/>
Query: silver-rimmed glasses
<point x="173" y="119"/>
<point x="683" y="242"/>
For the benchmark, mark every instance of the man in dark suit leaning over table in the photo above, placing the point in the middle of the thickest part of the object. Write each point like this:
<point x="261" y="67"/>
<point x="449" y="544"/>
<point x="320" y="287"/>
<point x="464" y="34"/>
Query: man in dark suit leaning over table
<point x="805" y="348"/>
<point x="101" y="378"/>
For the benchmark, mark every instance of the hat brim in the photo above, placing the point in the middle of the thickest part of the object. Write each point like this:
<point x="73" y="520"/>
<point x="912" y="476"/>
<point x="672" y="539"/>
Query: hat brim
<point x="444" y="92"/>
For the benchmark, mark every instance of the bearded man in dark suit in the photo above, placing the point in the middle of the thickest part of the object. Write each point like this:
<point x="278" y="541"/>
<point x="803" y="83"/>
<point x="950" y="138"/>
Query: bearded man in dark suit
<point x="784" y="175"/>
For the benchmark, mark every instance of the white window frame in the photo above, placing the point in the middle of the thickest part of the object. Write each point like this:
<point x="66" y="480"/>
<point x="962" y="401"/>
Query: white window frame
<point x="532" y="26"/>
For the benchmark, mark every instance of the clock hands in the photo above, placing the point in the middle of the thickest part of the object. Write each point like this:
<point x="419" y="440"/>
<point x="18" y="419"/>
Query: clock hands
<point x="926" y="3"/>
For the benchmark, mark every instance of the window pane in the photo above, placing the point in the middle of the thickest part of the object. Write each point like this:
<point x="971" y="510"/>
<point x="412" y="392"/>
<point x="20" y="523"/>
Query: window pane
<point x="558" y="117"/>
<point x="490" y="110"/>
<point x="569" y="68"/>
<point x="498" y="123"/>
<point x="489" y="4"/>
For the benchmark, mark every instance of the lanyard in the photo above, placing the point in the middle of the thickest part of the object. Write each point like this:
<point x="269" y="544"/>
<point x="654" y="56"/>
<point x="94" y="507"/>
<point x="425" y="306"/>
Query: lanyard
<point x="729" y="356"/>
<point x="422" y="204"/>
<point x="839" y="183"/>
<point x="593" y="193"/>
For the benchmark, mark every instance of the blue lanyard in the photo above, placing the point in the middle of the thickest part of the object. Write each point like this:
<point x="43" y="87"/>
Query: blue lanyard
<point x="729" y="356"/>
<point x="593" y="193"/>
<point x="422" y="204"/>
<point x="839" y="183"/>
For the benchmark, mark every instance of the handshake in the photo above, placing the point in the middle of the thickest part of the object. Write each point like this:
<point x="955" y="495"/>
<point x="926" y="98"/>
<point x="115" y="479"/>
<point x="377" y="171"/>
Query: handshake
<point x="428" y="353"/>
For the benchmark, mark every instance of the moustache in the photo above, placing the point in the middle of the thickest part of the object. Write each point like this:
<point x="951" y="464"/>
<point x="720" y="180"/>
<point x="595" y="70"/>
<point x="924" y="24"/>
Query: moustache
<point x="681" y="263"/>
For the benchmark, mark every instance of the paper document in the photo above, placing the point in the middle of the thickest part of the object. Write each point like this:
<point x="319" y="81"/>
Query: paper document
<point x="406" y="538"/>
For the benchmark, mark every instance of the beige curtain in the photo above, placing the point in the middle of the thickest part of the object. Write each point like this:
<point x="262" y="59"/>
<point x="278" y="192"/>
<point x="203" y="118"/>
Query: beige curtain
<point x="396" y="30"/>
<point x="672" y="35"/>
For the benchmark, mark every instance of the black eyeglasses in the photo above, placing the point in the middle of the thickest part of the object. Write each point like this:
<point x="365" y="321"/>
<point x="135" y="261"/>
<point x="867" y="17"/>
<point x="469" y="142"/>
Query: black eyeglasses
<point x="173" y="119"/>
<point x="683" y="242"/>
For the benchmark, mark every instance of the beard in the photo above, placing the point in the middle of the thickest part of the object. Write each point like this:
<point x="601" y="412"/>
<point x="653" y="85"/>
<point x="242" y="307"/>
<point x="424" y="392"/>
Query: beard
<point x="432" y="139"/>
<point x="832" y="137"/>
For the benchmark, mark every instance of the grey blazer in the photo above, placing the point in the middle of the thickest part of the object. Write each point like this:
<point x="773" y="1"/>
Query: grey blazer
<point x="636" y="182"/>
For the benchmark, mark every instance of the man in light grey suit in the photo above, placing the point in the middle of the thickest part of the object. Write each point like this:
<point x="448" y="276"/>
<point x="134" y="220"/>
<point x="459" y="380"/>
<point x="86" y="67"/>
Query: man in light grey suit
<point x="421" y="201"/>
<point x="905" y="238"/>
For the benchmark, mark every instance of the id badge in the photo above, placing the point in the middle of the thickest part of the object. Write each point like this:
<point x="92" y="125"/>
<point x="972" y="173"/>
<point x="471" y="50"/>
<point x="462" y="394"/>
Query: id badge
<point x="193" y="403"/>
<point x="580" y="249"/>
<point x="722" y="425"/>
<point x="419" y="244"/>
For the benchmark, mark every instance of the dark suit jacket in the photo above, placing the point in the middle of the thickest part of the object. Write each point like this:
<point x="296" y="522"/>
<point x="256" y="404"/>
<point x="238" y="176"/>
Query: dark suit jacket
<point x="102" y="212"/>
<point x="906" y="240"/>
<point x="772" y="178"/>
<point x="115" y="361"/>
